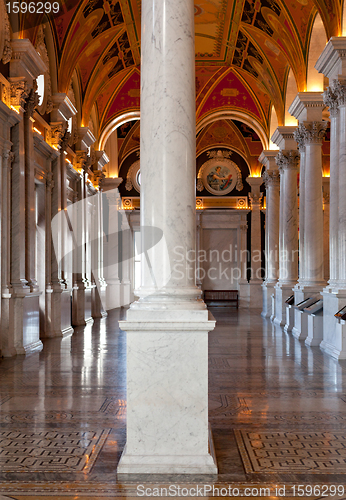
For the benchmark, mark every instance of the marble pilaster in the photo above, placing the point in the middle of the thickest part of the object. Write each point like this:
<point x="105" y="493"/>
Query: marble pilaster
<point x="126" y="258"/>
<point x="271" y="178"/>
<point x="167" y="328"/>
<point x="287" y="161"/>
<point x="256" y="280"/>
<point x="111" y="246"/>
<point x="326" y="219"/>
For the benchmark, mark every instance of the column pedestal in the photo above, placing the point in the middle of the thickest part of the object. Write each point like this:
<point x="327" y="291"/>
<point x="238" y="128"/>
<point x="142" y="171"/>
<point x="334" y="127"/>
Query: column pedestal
<point x="334" y="330"/>
<point x="165" y="421"/>
<point x="267" y="292"/>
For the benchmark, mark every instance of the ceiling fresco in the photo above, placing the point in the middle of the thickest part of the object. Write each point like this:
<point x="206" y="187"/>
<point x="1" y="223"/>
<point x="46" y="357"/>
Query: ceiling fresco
<point x="244" y="52"/>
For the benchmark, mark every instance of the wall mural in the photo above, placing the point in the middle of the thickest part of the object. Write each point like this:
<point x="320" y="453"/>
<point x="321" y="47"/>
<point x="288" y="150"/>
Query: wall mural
<point x="219" y="175"/>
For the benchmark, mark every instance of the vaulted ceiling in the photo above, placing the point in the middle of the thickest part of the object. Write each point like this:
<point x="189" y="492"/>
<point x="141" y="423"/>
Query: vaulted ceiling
<point x="244" y="51"/>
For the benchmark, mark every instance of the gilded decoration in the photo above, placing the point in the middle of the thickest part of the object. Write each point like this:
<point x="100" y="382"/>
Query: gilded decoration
<point x="219" y="175"/>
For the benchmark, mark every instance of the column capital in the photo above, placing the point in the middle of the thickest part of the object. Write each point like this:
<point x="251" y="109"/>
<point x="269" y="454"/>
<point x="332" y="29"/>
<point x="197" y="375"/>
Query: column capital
<point x="80" y="161"/>
<point x="32" y="100"/>
<point x="19" y="92"/>
<point x="310" y="133"/>
<point x="330" y="99"/>
<point x="339" y="90"/>
<point x="271" y="178"/>
<point x="255" y="200"/>
<point x="287" y="160"/>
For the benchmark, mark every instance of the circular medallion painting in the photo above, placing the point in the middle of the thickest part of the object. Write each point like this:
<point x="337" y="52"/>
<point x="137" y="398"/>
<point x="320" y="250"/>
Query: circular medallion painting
<point x="220" y="176"/>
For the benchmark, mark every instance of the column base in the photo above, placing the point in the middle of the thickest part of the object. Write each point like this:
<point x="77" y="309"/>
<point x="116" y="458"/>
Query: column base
<point x="334" y="330"/>
<point x="29" y="348"/>
<point x="282" y="292"/>
<point x="303" y="291"/>
<point x="167" y="419"/>
<point x="59" y="306"/>
<point x="113" y="295"/>
<point x="125" y="294"/>
<point x="289" y="318"/>
<point x="256" y="295"/>
<point x="244" y="294"/>
<point x="199" y="464"/>
<point x="315" y="330"/>
<point x="267" y="291"/>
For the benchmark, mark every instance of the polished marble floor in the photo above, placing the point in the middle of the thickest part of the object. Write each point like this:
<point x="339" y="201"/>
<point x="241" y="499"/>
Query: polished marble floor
<point x="277" y="410"/>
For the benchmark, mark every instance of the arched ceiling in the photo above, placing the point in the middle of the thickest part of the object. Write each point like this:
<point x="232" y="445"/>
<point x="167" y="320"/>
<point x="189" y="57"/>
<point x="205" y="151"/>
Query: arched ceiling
<point x="244" y="51"/>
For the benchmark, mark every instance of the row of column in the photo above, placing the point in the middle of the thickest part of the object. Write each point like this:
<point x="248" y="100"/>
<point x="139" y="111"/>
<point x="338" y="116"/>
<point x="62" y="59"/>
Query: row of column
<point x="322" y="210"/>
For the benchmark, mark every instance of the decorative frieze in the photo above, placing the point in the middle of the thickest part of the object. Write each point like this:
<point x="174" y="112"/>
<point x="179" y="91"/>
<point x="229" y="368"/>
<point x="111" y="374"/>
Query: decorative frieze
<point x="5" y="91"/>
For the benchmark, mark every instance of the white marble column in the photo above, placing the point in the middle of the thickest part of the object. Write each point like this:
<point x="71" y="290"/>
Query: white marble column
<point x="271" y="178"/>
<point x="287" y="160"/>
<point x="256" y="280"/>
<point x="332" y="64"/>
<point x="198" y="246"/>
<point x="167" y="329"/>
<point x="126" y="258"/>
<point x="111" y="246"/>
<point x="326" y="218"/>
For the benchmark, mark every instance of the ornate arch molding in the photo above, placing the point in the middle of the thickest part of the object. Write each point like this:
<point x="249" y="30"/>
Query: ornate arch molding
<point x="219" y="158"/>
<point x="236" y="115"/>
<point x="116" y="123"/>
<point x="132" y="177"/>
<point x="41" y="48"/>
<point x="5" y="34"/>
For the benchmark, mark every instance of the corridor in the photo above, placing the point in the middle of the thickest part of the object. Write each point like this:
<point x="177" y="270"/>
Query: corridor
<point x="276" y="409"/>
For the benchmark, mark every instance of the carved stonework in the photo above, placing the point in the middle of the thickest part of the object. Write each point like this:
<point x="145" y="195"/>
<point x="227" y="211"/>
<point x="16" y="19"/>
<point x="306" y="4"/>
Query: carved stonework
<point x="49" y="181"/>
<point x="326" y="198"/>
<point x="32" y="101"/>
<point x="300" y="137"/>
<point x="271" y="178"/>
<point x="314" y="132"/>
<point x="339" y="90"/>
<point x="5" y="91"/>
<point x="6" y="49"/>
<point x="331" y="99"/>
<point x="19" y="93"/>
<point x="132" y="177"/>
<point x="80" y="161"/>
<point x="8" y="157"/>
<point x="287" y="159"/>
<point x="219" y="154"/>
<point x="47" y="104"/>
<point x="255" y="200"/>
<point x="64" y="141"/>
<point x="55" y="134"/>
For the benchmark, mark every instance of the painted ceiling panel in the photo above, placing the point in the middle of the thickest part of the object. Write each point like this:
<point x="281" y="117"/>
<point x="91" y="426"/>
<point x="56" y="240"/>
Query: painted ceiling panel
<point x="244" y="51"/>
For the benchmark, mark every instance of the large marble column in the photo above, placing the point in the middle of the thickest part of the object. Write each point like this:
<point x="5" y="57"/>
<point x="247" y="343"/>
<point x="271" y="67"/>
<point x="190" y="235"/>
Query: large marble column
<point x="307" y="109"/>
<point x="271" y="178"/>
<point x="167" y="329"/>
<point x="256" y="280"/>
<point x="287" y="160"/>
<point x="332" y="64"/>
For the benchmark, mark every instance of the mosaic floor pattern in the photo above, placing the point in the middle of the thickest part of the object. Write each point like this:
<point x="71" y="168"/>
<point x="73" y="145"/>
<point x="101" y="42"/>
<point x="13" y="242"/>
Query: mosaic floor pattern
<point x="277" y="411"/>
<point x="50" y="451"/>
<point x="301" y="452"/>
